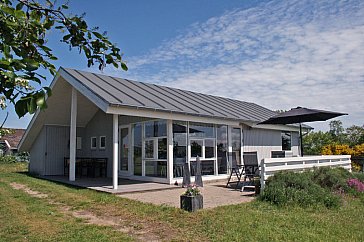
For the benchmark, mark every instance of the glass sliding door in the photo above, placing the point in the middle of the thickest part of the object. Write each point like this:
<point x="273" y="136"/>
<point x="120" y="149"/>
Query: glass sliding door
<point x="137" y="148"/>
<point x="179" y="147"/>
<point x="203" y="144"/>
<point x="222" y="148"/>
<point x="124" y="149"/>
<point x="236" y="146"/>
<point x="155" y="148"/>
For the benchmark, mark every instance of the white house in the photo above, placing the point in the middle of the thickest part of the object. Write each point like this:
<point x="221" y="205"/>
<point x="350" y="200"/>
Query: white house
<point x="146" y="132"/>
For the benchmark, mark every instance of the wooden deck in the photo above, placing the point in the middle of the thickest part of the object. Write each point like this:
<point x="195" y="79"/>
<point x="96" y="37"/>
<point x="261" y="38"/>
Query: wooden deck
<point x="105" y="184"/>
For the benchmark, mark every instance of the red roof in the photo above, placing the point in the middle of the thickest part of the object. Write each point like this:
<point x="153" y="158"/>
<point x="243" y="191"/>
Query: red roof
<point x="14" y="138"/>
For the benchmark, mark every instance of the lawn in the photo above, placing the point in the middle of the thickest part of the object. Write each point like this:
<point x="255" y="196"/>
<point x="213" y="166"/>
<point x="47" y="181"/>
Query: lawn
<point x="62" y="213"/>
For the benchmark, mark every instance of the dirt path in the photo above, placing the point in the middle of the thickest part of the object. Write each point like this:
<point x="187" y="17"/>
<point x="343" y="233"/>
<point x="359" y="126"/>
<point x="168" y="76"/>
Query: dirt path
<point x="118" y="223"/>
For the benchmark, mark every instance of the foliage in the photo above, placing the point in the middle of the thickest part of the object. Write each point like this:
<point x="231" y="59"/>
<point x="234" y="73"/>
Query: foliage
<point x="356" y="184"/>
<point x="306" y="189"/>
<point x="337" y="131"/>
<point x="332" y="179"/>
<point x="355" y="135"/>
<point x="8" y="159"/>
<point x="24" y="50"/>
<point x="336" y="149"/>
<point x="316" y="142"/>
<point x="192" y="190"/>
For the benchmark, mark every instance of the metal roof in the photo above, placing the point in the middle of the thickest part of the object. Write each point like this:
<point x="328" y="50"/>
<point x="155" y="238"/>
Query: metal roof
<point x="122" y="92"/>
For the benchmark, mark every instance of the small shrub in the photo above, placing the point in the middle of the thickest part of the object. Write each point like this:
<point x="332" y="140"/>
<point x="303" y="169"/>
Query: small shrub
<point x="286" y="188"/>
<point x="356" y="184"/>
<point x="8" y="159"/>
<point x="331" y="178"/>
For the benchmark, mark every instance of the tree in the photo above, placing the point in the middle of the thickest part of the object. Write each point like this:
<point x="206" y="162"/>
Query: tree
<point x="315" y="141"/>
<point x="355" y="135"/>
<point x="24" y="50"/>
<point x="337" y="131"/>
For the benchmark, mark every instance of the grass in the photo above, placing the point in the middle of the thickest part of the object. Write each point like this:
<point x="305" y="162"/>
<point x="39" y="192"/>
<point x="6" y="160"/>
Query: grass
<point x="26" y="218"/>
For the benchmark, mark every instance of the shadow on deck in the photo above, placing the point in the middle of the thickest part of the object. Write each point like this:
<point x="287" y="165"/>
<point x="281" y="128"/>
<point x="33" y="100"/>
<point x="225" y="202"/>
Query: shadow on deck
<point x="105" y="184"/>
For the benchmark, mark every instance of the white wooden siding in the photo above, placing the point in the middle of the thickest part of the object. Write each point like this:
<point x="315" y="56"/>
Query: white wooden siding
<point x="37" y="152"/>
<point x="264" y="141"/>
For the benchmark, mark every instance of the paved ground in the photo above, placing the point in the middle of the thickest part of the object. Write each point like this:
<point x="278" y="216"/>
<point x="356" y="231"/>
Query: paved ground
<point x="214" y="194"/>
<point x="104" y="184"/>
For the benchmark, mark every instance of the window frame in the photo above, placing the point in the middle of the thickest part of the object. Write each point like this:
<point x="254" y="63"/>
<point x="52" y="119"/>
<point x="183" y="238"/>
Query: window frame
<point x="91" y="145"/>
<point x="100" y="142"/>
<point x="290" y="140"/>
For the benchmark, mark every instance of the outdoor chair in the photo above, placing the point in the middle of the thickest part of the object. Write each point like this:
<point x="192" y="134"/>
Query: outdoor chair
<point x="236" y="171"/>
<point x="250" y="168"/>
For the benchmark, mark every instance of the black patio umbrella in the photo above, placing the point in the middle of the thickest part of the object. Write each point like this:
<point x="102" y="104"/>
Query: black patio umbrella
<point x="301" y="115"/>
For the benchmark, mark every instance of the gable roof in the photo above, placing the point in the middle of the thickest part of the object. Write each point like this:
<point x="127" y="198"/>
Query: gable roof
<point x="126" y="93"/>
<point x="13" y="139"/>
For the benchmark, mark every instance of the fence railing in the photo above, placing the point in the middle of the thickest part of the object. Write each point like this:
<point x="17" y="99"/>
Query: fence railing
<point x="271" y="165"/>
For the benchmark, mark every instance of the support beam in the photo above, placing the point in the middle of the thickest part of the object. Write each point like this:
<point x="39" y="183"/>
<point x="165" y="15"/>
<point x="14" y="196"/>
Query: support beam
<point x="115" y="161"/>
<point x="72" y="166"/>
<point x="170" y="151"/>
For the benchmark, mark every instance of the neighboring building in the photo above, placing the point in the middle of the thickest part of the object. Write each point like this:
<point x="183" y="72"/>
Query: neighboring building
<point x="9" y="143"/>
<point x="147" y="131"/>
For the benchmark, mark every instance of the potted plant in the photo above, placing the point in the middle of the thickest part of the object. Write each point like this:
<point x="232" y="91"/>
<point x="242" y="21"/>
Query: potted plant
<point x="191" y="200"/>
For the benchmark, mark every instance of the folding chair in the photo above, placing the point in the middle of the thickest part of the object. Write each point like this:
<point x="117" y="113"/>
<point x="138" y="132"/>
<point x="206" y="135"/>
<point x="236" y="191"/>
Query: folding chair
<point x="251" y="168"/>
<point x="235" y="171"/>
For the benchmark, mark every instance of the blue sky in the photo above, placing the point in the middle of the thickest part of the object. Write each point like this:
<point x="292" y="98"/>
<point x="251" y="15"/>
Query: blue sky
<point x="279" y="54"/>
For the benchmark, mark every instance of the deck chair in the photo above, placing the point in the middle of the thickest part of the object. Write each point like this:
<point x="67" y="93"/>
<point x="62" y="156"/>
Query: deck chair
<point x="251" y="169"/>
<point x="235" y="171"/>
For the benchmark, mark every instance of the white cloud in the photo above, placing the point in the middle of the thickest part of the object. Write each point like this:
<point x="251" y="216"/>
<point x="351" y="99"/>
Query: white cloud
<point x="278" y="54"/>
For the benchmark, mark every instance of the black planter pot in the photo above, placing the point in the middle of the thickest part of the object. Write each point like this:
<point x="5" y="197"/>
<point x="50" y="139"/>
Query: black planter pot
<point x="191" y="203"/>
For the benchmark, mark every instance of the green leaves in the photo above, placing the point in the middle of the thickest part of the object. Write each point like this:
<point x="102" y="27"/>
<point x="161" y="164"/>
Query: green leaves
<point x="24" y="26"/>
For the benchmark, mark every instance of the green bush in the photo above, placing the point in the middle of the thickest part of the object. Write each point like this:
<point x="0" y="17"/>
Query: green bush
<point x="333" y="179"/>
<point x="8" y="159"/>
<point x="306" y="189"/>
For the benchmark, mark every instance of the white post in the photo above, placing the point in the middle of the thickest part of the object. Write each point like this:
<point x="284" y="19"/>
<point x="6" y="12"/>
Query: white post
<point x="72" y="166"/>
<point x="170" y="151"/>
<point x="115" y="162"/>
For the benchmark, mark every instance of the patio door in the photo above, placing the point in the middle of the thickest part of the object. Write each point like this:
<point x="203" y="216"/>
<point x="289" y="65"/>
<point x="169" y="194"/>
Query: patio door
<point x="124" y="149"/>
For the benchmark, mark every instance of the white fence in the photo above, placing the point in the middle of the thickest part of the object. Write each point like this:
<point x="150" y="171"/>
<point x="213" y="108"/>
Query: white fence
<point x="271" y="165"/>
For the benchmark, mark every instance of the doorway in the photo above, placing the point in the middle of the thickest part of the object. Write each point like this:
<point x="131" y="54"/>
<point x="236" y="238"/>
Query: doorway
<point x="124" y="149"/>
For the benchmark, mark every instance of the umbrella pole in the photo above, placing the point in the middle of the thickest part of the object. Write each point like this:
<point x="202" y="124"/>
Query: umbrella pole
<point x="301" y="140"/>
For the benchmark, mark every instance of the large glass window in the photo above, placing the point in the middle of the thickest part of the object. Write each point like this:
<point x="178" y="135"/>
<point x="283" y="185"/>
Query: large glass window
<point x="209" y="148"/>
<point x="196" y="147"/>
<point x="286" y="141"/>
<point x="137" y="147"/>
<point x="149" y="149"/>
<point x="179" y="147"/>
<point x="155" y="148"/>
<point x="236" y="146"/>
<point x="155" y="129"/>
<point x="222" y="148"/>
<point x="203" y="144"/>
<point x="201" y="130"/>
<point x="162" y="148"/>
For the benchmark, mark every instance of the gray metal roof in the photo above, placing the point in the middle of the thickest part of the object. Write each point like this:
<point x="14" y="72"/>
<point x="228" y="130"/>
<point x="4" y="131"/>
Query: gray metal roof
<point x="123" y="92"/>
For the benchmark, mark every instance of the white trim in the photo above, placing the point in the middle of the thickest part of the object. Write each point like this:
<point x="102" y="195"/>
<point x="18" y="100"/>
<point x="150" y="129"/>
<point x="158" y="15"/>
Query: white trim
<point x="73" y="135"/>
<point x="100" y="147"/>
<point x="169" y="150"/>
<point x="128" y="171"/>
<point x="91" y="146"/>
<point x="115" y="161"/>
<point x="99" y="102"/>
<point x="138" y="112"/>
